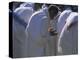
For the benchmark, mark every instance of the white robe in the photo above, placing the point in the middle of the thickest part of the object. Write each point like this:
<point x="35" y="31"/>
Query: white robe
<point x="24" y="13"/>
<point x="68" y="40"/>
<point x="19" y="39"/>
<point x="62" y="20"/>
<point x="19" y="35"/>
<point x="37" y="30"/>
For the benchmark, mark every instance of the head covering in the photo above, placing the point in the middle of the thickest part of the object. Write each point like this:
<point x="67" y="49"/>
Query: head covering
<point x="44" y="6"/>
<point x="27" y="5"/>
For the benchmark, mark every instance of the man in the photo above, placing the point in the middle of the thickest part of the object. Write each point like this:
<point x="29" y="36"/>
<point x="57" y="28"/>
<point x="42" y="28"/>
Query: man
<point x="68" y="40"/>
<point x="53" y="31"/>
<point x="21" y="17"/>
<point x="19" y="37"/>
<point x="62" y="19"/>
<point x="25" y="11"/>
<point x="37" y="29"/>
<point x="34" y="30"/>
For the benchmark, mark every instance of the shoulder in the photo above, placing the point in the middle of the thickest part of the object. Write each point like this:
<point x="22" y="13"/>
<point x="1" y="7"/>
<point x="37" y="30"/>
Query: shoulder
<point x="73" y="16"/>
<point x="72" y="19"/>
<point x="38" y="14"/>
<point x="37" y="17"/>
<point x="17" y="9"/>
<point x="23" y="9"/>
<point x="66" y="11"/>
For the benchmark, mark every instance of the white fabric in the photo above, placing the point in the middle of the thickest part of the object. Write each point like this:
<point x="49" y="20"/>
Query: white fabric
<point x="19" y="35"/>
<point x="68" y="40"/>
<point x="19" y="40"/>
<point x="27" y="5"/>
<point x="24" y="13"/>
<point x="62" y="19"/>
<point x="44" y="6"/>
<point x="37" y="30"/>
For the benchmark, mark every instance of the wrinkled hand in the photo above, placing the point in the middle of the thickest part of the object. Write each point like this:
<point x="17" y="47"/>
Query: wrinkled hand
<point x="52" y="32"/>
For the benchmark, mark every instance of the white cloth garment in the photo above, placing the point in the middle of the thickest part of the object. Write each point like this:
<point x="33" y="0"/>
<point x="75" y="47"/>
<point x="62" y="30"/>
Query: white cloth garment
<point x="27" y="5"/>
<point x="68" y="40"/>
<point x="37" y="30"/>
<point x="25" y="11"/>
<point x="21" y="15"/>
<point x="19" y="39"/>
<point x="44" y="6"/>
<point x="61" y="20"/>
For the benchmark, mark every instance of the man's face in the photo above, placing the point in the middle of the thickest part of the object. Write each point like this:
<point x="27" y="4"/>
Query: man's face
<point x="51" y="14"/>
<point x="53" y="10"/>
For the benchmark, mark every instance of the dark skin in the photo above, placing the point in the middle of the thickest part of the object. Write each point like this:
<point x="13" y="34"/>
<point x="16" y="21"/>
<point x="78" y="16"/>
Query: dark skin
<point x="53" y="10"/>
<point x="52" y="32"/>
